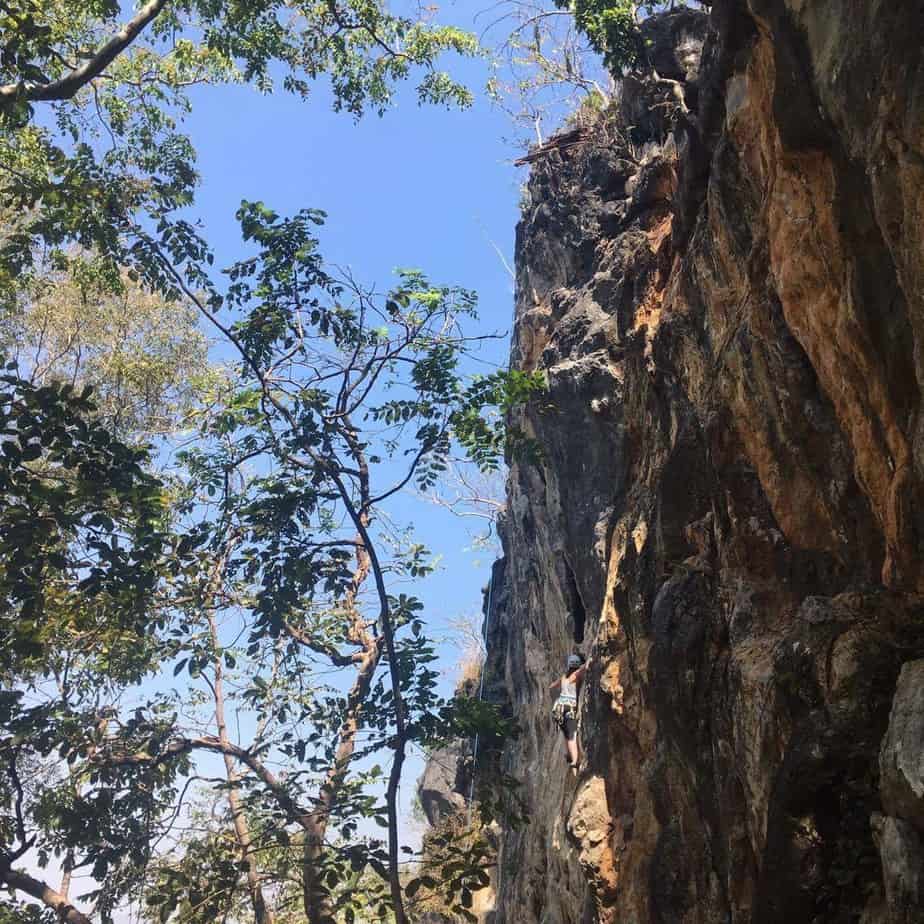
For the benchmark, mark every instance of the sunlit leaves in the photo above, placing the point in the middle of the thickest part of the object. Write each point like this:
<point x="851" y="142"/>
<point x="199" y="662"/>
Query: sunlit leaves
<point x="336" y="400"/>
<point x="145" y="356"/>
<point x="481" y="425"/>
<point x="612" y="26"/>
<point x="458" y="858"/>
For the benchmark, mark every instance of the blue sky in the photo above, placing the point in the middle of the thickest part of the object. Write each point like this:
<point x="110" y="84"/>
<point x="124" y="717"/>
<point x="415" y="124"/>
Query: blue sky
<point x="419" y="187"/>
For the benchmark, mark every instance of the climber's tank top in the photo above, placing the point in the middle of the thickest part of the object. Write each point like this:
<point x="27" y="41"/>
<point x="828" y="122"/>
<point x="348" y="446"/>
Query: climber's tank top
<point x="568" y="692"/>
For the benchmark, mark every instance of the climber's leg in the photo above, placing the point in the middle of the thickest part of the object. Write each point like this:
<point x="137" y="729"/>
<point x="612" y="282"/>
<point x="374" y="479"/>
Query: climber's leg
<point x="569" y="727"/>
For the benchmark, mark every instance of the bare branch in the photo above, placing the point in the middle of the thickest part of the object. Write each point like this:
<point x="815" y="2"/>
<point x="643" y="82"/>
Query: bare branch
<point x="262" y="912"/>
<point x="180" y="746"/>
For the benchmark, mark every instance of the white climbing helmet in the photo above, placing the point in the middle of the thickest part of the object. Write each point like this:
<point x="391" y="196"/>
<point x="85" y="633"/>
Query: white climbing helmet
<point x="574" y="662"/>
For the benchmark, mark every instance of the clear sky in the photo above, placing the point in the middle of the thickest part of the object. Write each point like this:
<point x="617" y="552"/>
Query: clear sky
<point x="419" y="187"/>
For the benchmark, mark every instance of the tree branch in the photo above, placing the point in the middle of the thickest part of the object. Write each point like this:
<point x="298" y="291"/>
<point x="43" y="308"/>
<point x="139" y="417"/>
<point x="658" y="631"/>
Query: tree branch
<point x="23" y="882"/>
<point x="360" y="520"/>
<point x="263" y="914"/>
<point x="179" y="746"/>
<point x="67" y="86"/>
<point x="337" y="658"/>
<point x="25" y="842"/>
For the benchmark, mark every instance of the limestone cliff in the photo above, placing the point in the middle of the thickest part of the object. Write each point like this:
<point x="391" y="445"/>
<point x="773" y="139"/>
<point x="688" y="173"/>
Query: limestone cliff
<point x="724" y="285"/>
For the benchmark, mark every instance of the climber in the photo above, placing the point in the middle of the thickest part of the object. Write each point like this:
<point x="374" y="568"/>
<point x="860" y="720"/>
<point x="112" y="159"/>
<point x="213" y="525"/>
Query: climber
<point x="565" y="708"/>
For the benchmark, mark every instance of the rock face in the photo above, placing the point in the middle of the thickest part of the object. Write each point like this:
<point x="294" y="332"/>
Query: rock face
<point x="901" y="758"/>
<point x="724" y="286"/>
<point x="439" y="789"/>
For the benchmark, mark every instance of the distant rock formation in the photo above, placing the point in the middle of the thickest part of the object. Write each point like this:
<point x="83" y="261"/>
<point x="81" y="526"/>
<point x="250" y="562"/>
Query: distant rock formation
<point x="438" y="788"/>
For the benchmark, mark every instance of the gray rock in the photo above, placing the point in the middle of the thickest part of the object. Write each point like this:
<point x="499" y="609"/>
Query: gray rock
<point x="902" y="855"/>
<point x="437" y="786"/>
<point x="901" y="758"/>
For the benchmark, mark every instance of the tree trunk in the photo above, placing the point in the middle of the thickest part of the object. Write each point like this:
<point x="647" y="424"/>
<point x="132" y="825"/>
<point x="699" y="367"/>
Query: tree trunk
<point x="23" y="882"/>
<point x="262" y="913"/>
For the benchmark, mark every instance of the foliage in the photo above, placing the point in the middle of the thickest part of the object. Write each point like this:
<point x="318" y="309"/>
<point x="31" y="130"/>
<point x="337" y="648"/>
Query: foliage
<point x="590" y="110"/>
<point x="487" y="439"/>
<point x="146" y="357"/>
<point x="79" y="527"/>
<point x="612" y="28"/>
<point x="110" y="159"/>
<point x="280" y="568"/>
<point x="200" y="882"/>
<point x="318" y="355"/>
<point x="262" y="573"/>
<point x="456" y="862"/>
<point x="25" y="913"/>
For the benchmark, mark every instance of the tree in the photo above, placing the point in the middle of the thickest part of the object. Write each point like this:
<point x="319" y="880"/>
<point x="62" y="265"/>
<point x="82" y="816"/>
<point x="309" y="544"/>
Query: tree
<point x="308" y="373"/>
<point x="564" y="61"/>
<point x="278" y="570"/>
<point x="473" y="495"/>
<point x="545" y="67"/>
<point x="109" y="160"/>
<point x="146" y="357"/>
<point x="265" y="556"/>
<point x="80" y="526"/>
<point x="612" y="28"/>
<point x="80" y="540"/>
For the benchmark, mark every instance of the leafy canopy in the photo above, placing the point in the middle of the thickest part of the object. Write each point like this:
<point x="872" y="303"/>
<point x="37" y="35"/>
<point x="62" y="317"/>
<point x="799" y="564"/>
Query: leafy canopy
<point x="80" y="523"/>
<point x="274" y="591"/>
<point x="146" y="357"/>
<point x="109" y="160"/>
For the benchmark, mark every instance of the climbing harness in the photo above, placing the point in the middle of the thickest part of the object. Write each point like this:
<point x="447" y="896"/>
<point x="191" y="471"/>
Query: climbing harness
<point x="566" y="704"/>
<point x="565" y="707"/>
<point x="562" y="711"/>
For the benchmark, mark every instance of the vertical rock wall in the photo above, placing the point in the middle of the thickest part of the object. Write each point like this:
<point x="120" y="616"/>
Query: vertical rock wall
<point x="724" y="285"/>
